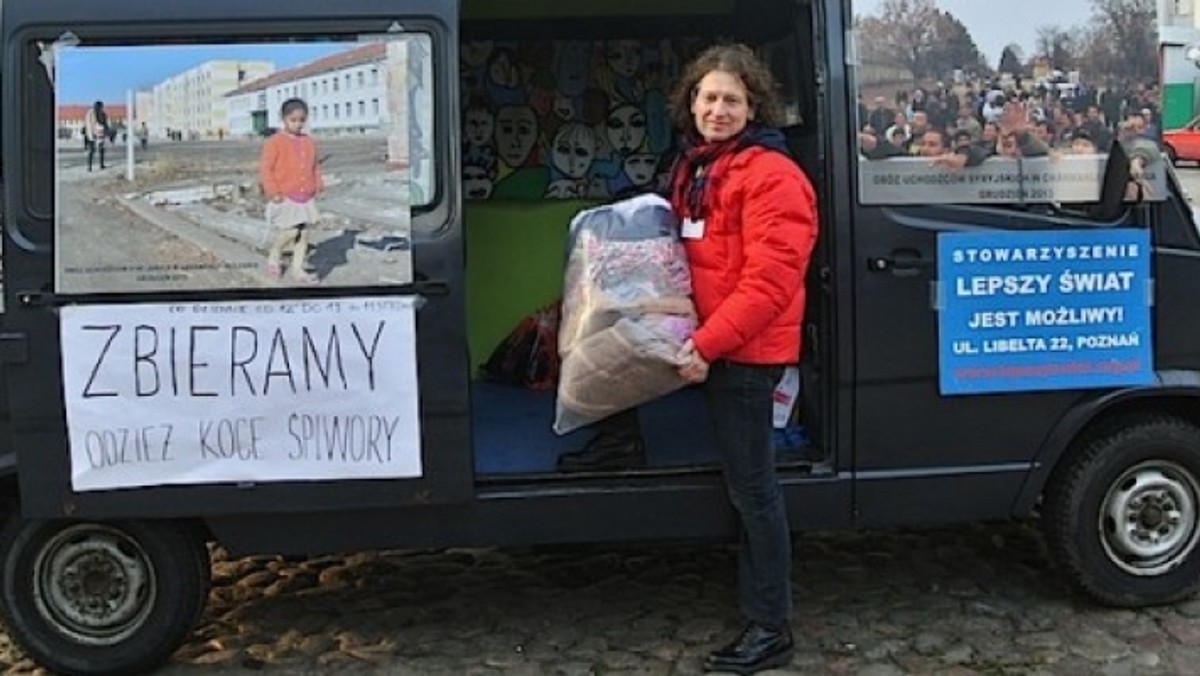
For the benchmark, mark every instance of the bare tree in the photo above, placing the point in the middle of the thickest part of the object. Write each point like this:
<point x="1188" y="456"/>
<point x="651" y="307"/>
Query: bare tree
<point x="1057" y="45"/>
<point x="914" y="35"/>
<point x="1122" y="40"/>
<point x="953" y="48"/>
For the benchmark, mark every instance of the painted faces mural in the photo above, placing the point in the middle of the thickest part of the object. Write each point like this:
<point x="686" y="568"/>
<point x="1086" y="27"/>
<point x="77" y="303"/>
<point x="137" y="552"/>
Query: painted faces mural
<point x="516" y="134"/>
<point x="626" y="130"/>
<point x="566" y="119"/>
<point x="478" y="126"/>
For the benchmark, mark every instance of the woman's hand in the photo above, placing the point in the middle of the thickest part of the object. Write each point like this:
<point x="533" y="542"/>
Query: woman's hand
<point x="694" y="369"/>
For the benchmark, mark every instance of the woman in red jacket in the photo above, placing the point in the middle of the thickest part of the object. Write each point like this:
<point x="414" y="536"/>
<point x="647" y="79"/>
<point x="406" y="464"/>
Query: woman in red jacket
<point x="749" y="224"/>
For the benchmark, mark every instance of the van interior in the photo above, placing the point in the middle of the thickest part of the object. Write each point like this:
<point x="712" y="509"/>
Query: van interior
<point x="564" y="108"/>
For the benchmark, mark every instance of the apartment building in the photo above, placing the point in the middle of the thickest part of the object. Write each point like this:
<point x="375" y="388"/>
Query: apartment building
<point x="194" y="103"/>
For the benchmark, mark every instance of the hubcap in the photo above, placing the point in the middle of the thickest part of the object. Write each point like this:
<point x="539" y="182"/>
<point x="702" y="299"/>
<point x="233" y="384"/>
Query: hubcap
<point x="1148" y="518"/>
<point x="94" y="584"/>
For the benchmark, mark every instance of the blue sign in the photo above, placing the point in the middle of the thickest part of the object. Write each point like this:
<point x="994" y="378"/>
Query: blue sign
<point x="1044" y="310"/>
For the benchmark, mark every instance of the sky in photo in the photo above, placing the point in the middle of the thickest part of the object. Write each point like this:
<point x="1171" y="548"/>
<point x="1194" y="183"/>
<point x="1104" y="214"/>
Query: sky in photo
<point x="996" y="24"/>
<point x="87" y="74"/>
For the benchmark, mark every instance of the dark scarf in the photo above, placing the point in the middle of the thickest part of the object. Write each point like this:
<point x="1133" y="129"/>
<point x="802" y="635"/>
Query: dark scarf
<point x="694" y="173"/>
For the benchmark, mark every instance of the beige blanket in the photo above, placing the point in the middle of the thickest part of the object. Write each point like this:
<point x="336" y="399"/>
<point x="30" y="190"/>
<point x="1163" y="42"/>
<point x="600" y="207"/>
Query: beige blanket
<point x="625" y="365"/>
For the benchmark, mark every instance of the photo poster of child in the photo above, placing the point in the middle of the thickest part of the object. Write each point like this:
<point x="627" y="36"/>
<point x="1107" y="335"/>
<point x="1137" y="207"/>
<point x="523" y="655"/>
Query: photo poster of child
<point x="272" y="164"/>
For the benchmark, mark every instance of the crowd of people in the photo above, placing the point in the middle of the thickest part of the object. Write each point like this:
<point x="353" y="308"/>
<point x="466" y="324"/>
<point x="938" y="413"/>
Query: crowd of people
<point x="964" y="125"/>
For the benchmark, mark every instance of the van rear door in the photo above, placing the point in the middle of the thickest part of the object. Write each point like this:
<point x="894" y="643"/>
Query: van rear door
<point x="233" y="257"/>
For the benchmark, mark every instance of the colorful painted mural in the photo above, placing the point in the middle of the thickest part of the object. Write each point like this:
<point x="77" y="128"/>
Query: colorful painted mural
<point x="567" y="119"/>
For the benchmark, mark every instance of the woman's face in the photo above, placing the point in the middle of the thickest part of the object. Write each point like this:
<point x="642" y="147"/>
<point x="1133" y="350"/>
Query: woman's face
<point x="720" y="106"/>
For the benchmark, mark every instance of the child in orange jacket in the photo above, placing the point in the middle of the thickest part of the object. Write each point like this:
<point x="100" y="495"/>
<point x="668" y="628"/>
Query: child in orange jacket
<point x="291" y="179"/>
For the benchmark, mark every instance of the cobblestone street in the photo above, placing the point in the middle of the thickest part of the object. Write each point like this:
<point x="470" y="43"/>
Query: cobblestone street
<point x="978" y="599"/>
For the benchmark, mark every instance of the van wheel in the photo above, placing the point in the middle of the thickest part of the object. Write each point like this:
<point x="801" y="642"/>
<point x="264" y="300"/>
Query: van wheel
<point x="100" y="597"/>
<point x="1122" y="516"/>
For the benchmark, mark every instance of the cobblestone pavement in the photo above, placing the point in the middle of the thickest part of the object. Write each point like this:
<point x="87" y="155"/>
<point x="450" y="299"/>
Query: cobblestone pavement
<point x="965" y="600"/>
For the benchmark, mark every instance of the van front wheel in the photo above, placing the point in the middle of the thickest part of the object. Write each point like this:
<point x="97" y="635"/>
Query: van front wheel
<point x="1122" y="516"/>
<point x="101" y="597"/>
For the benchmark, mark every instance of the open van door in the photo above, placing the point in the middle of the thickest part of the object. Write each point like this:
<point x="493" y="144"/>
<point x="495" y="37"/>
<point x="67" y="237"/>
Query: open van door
<point x="209" y="313"/>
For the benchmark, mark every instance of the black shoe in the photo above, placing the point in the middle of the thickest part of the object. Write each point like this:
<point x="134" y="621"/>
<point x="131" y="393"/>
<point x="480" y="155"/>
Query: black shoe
<point x="605" y="452"/>
<point x="757" y="649"/>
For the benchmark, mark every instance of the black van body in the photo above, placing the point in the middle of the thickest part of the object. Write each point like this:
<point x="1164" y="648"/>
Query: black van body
<point x="894" y="451"/>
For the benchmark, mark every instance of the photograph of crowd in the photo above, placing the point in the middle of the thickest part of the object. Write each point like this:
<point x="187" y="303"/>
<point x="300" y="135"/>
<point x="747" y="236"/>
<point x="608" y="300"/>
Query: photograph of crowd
<point x="947" y="88"/>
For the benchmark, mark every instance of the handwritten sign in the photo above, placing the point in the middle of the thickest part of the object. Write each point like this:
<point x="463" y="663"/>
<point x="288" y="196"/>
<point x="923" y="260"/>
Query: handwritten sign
<point x="1067" y="179"/>
<point x="1044" y="310"/>
<point x="200" y="393"/>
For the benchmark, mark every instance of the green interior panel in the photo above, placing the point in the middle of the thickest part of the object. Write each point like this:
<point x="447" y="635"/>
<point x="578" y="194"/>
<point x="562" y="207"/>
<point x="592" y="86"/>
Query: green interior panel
<point x="515" y="265"/>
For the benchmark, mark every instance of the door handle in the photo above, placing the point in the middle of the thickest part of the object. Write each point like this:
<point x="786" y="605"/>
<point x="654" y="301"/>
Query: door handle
<point x="901" y="262"/>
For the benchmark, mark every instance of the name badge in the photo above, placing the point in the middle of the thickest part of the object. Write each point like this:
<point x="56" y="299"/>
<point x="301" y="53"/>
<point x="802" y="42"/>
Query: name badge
<point x="692" y="229"/>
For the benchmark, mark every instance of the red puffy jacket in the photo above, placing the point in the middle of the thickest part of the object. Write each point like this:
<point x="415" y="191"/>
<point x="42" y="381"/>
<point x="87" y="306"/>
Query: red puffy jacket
<point x="749" y="266"/>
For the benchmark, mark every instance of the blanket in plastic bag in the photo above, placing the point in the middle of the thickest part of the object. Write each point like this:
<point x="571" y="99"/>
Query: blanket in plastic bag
<point x="627" y="310"/>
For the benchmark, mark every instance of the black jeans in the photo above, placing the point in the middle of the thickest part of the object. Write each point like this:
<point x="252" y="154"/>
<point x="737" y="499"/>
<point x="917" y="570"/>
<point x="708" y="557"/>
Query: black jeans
<point x="740" y="402"/>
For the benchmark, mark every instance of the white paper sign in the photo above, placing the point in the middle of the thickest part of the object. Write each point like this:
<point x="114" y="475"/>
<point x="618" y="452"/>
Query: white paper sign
<point x="213" y="392"/>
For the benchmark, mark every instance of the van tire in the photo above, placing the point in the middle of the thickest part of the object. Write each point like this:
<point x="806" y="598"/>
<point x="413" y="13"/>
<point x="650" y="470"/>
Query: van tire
<point x="151" y="577"/>
<point x="1145" y="476"/>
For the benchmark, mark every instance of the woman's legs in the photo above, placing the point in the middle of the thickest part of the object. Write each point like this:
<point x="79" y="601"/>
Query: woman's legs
<point x="740" y="402"/>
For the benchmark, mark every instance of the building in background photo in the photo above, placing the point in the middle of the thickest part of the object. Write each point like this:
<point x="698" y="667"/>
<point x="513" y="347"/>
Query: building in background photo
<point x="193" y="104"/>
<point x="344" y="92"/>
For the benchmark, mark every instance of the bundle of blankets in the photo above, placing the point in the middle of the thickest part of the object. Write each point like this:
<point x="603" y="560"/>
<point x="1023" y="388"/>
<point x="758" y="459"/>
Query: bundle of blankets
<point x="626" y="312"/>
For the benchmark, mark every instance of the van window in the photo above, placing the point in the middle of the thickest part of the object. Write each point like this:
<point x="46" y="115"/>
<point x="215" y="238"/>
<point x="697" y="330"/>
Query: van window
<point x="957" y="102"/>
<point x="220" y="195"/>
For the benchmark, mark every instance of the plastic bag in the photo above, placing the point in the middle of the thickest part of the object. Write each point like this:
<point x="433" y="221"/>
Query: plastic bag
<point x="626" y="312"/>
<point x="528" y="357"/>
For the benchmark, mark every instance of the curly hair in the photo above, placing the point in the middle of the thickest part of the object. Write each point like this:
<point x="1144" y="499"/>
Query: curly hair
<point x="736" y="59"/>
